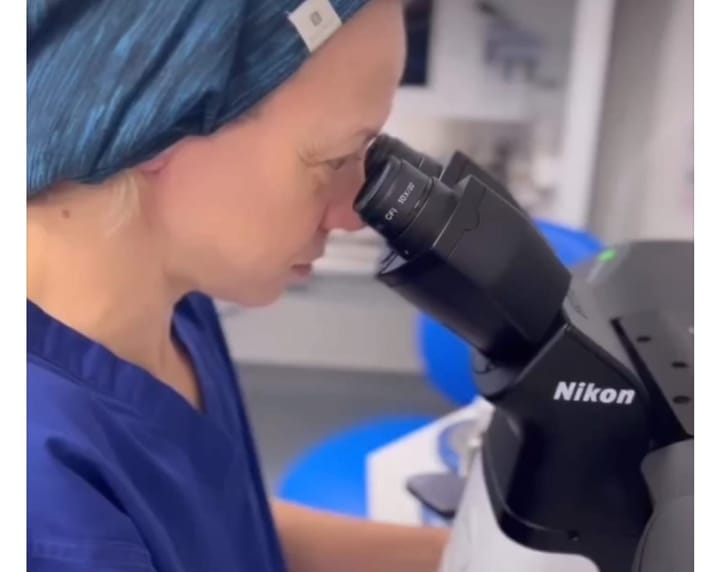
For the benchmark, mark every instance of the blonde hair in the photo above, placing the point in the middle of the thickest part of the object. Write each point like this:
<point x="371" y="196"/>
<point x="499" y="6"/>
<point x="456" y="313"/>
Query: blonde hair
<point x="125" y="188"/>
<point x="124" y="197"/>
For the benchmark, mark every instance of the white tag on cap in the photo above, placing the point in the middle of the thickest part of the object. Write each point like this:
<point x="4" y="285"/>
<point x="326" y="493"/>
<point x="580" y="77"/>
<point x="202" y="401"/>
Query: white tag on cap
<point x="315" y="21"/>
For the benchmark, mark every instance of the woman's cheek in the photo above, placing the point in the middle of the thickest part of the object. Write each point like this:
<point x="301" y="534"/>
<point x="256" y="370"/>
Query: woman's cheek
<point x="307" y="206"/>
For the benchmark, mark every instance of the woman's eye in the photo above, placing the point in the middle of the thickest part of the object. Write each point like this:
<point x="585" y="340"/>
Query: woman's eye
<point x="337" y="164"/>
<point x="341" y="162"/>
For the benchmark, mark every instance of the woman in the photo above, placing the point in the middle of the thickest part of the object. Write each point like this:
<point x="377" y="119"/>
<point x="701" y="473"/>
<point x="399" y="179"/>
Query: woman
<point x="177" y="147"/>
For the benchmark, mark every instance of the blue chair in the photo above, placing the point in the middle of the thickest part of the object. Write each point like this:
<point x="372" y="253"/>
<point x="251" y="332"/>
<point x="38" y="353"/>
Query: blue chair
<point x="331" y="474"/>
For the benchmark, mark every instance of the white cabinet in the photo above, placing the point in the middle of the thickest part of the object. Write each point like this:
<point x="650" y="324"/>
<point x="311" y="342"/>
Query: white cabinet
<point x="644" y="179"/>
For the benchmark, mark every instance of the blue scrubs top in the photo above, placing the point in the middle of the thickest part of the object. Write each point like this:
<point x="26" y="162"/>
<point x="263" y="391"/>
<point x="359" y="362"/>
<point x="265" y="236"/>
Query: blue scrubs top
<point x="124" y="475"/>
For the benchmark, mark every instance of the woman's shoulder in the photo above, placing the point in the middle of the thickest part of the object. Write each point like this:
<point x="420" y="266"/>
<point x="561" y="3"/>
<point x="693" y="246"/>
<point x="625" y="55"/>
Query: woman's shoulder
<point x="68" y="423"/>
<point x="57" y="405"/>
<point x="71" y="514"/>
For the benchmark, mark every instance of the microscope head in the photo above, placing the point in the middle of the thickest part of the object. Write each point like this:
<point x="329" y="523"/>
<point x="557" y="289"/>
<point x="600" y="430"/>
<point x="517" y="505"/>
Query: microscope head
<point x="462" y="250"/>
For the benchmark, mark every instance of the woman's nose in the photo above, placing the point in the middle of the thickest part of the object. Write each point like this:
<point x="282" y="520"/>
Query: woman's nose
<point x="340" y="213"/>
<point x="342" y="216"/>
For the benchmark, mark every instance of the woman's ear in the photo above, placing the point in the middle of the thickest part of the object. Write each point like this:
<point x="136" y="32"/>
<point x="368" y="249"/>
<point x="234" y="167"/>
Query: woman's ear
<point x="157" y="163"/>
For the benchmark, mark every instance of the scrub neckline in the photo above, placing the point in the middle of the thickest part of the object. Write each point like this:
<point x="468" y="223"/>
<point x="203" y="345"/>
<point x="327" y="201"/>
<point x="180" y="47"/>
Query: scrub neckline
<point x="90" y="364"/>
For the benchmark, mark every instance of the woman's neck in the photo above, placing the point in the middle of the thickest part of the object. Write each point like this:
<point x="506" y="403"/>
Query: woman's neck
<point x="109" y="286"/>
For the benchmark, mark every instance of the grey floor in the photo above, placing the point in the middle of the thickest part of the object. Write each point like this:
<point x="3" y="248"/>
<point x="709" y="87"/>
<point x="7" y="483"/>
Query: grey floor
<point x="292" y="408"/>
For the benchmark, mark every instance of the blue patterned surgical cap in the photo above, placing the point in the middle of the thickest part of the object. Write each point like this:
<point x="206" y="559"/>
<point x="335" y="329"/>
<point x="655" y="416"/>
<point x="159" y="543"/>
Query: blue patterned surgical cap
<point x="111" y="83"/>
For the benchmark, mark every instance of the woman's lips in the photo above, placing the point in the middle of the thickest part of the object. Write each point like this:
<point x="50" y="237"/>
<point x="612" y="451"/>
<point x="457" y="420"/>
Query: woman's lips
<point x="302" y="269"/>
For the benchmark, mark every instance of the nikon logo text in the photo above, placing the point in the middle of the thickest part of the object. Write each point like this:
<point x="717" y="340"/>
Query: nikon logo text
<point x="588" y="393"/>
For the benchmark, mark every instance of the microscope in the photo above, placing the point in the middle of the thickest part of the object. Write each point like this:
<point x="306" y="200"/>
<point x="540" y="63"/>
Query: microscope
<point x="590" y="372"/>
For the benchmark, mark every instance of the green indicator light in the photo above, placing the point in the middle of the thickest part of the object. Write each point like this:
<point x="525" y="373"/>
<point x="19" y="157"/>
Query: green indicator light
<point x="607" y="255"/>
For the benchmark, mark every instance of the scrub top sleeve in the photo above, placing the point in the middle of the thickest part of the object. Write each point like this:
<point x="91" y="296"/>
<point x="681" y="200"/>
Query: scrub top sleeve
<point x="74" y="527"/>
<point x="55" y="556"/>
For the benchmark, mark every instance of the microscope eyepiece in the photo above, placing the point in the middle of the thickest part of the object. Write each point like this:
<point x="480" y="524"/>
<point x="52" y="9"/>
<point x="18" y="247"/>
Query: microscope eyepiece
<point x="391" y="200"/>
<point x="406" y="206"/>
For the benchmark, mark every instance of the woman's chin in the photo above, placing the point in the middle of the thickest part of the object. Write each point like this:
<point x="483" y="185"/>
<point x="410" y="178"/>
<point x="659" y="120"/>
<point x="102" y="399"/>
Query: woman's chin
<point x="268" y="293"/>
<point x="257" y="298"/>
<point x="301" y="272"/>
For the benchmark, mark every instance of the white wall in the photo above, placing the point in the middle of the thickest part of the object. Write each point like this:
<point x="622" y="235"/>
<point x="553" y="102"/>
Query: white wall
<point x="642" y="182"/>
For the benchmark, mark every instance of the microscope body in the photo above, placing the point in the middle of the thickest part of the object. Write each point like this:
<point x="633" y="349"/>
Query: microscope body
<point x="589" y="373"/>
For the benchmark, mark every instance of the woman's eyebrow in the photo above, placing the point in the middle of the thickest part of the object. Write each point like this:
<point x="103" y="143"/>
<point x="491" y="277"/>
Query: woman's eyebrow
<point x="319" y="150"/>
<point x="366" y="133"/>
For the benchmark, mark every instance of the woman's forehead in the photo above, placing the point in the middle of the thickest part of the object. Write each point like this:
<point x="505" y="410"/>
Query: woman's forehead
<point x="353" y="79"/>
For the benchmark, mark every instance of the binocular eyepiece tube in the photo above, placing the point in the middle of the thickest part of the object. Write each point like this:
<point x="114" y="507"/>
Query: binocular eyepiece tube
<point x="462" y="249"/>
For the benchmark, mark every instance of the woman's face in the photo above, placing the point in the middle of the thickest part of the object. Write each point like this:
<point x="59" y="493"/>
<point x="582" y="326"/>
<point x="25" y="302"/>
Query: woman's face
<point x="242" y="213"/>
